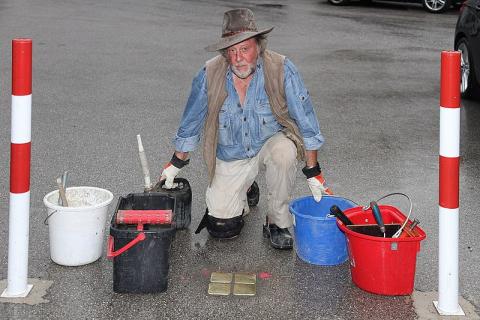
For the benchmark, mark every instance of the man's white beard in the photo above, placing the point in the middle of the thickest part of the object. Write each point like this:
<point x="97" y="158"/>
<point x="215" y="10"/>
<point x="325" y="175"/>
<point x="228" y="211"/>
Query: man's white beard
<point x="244" y="74"/>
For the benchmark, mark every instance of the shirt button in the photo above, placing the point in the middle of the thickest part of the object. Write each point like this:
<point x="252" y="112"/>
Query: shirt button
<point x="248" y="149"/>
<point x="246" y="134"/>
<point x="244" y="118"/>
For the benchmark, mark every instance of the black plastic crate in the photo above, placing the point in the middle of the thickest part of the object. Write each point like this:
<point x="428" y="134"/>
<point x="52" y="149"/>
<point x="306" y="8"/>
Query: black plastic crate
<point x="142" y="268"/>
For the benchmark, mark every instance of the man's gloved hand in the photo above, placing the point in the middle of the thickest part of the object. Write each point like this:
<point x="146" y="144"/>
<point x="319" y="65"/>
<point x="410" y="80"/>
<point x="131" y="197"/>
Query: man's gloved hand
<point x="171" y="170"/>
<point x="316" y="182"/>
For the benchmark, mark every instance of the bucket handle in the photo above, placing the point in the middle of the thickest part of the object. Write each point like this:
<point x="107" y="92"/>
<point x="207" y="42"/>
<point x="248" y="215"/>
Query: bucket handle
<point x="111" y="254"/>
<point x="45" y="222"/>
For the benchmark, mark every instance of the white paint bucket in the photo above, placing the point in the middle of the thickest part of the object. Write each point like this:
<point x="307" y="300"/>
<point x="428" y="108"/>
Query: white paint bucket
<point x="76" y="232"/>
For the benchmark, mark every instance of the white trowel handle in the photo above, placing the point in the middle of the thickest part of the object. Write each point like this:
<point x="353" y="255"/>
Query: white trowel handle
<point x="144" y="163"/>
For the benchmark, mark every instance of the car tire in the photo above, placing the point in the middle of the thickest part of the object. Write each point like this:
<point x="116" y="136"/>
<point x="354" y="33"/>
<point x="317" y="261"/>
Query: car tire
<point x="468" y="82"/>
<point x="436" y="6"/>
<point x="339" y="2"/>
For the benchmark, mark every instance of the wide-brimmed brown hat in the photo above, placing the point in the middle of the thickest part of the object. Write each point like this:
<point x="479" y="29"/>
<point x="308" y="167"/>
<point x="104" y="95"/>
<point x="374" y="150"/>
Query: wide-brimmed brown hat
<point x="238" y="25"/>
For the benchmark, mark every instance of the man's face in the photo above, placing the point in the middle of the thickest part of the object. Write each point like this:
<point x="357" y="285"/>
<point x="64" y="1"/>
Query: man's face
<point x="243" y="57"/>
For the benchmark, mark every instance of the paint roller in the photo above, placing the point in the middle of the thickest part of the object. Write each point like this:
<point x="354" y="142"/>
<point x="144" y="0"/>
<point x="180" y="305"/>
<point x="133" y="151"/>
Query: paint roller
<point x="138" y="217"/>
<point x="141" y="217"/>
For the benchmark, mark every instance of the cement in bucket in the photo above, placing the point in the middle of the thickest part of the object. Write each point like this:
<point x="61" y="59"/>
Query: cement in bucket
<point x="76" y="232"/>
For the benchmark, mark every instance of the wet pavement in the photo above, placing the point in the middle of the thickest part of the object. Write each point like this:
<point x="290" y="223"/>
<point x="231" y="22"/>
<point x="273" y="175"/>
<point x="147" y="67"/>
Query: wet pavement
<point x="106" y="71"/>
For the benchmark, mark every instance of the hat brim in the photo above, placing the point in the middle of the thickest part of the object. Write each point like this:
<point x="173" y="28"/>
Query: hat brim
<point x="236" y="38"/>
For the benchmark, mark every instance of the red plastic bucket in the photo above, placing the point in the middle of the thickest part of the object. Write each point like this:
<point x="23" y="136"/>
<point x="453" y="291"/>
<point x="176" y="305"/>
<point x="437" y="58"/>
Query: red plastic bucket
<point x="378" y="265"/>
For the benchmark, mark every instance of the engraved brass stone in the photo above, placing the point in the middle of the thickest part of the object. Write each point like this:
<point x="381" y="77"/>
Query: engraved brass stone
<point x="219" y="289"/>
<point x="246" y="278"/>
<point x="221" y="277"/>
<point x="242" y="289"/>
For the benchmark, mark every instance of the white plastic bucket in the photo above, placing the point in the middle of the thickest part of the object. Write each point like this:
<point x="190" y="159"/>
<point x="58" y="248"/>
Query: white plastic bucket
<point x="76" y="232"/>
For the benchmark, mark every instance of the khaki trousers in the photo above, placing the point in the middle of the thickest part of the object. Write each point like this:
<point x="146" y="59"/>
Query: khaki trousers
<point x="226" y="197"/>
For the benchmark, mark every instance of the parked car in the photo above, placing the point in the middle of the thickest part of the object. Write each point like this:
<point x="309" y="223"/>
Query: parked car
<point x="433" y="6"/>
<point x="467" y="41"/>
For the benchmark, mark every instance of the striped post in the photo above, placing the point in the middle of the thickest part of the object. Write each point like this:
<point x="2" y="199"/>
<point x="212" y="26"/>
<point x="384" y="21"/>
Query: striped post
<point x="449" y="184"/>
<point x="20" y="169"/>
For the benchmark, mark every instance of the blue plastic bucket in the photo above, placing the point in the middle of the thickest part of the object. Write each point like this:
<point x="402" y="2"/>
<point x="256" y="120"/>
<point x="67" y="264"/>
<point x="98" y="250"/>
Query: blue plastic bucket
<point x="318" y="240"/>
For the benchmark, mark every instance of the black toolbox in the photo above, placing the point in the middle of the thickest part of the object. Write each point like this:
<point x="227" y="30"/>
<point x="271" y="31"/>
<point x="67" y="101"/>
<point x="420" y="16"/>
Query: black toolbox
<point x="183" y="201"/>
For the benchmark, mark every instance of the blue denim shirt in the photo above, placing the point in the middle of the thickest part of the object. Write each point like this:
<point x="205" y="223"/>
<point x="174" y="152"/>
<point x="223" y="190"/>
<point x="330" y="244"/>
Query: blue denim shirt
<point x="244" y="130"/>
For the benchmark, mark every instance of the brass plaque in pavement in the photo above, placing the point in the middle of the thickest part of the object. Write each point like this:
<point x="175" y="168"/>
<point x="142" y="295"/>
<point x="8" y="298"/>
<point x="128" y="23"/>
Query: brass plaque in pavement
<point x="242" y="289"/>
<point x="246" y="278"/>
<point x="221" y="277"/>
<point x="219" y="289"/>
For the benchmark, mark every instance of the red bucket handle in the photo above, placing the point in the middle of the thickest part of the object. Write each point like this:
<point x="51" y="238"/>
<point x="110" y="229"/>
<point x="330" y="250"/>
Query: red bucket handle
<point x="111" y="254"/>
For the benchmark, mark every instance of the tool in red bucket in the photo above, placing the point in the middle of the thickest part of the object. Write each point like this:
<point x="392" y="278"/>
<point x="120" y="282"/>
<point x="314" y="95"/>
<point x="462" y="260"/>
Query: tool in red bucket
<point x="378" y="216"/>
<point x="140" y="218"/>
<point x="409" y="230"/>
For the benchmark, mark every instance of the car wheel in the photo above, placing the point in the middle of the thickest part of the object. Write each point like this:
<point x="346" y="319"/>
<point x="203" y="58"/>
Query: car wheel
<point x="339" y="2"/>
<point x="436" y="6"/>
<point x="468" y="82"/>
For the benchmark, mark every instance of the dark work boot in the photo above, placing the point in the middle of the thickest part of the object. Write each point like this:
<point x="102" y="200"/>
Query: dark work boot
<point x="280" y="238"/>
<point x="253" y="195"/>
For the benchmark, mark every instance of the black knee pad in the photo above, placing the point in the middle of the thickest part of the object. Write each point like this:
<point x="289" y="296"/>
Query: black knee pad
<point x="221" y="228"/>
<point x="225" y="228"/>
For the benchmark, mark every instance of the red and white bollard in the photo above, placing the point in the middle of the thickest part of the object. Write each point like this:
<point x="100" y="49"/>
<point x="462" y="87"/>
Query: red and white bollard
<point x="19" y="212"/>
<point x="447" y="303"/>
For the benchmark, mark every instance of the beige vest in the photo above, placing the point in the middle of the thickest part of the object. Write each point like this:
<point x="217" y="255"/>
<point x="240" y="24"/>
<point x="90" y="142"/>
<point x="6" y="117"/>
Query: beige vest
<point x="273" y="66"/>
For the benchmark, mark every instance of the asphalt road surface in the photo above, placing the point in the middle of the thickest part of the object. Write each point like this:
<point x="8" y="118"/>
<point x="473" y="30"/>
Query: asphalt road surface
<point x="105" y="71"/>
